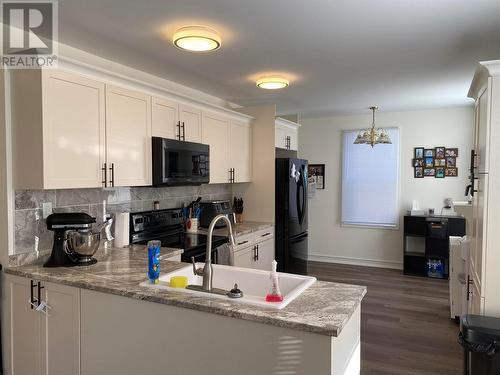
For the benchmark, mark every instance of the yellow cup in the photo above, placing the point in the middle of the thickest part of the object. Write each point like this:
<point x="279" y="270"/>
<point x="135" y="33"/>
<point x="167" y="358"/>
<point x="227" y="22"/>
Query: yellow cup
<point x="178" y="281"/>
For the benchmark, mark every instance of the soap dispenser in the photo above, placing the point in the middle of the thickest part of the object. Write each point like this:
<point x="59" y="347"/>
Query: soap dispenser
<point x="274" y="294"/>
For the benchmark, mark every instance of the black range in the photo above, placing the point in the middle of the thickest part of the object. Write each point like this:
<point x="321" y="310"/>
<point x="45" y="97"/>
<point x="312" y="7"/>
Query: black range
<point x="167" y="226"/>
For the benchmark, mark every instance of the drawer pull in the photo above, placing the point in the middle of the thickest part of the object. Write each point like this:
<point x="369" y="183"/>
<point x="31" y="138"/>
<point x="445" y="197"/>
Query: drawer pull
<point x="242" y="243"/>
<point x="266" y="234"/>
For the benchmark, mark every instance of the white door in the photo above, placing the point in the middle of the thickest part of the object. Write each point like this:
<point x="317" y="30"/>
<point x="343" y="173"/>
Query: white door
<point x="24" y="328"/>
<point x="476" y="256"/>
<point x="165" y="118"/>
<point x="245" y="257"/>
<point x="61" y="330"/>
<point x="216" y="135"/>
<point x="128" y="137"/>
<point x="73" y="130"/>
<point x="190" y="119"/>
<point x="241" y="151"/>
<point x="265" y="255"/>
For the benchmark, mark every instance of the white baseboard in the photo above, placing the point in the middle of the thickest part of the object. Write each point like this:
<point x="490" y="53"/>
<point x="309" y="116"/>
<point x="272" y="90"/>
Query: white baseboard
<point x="356" y="261"/>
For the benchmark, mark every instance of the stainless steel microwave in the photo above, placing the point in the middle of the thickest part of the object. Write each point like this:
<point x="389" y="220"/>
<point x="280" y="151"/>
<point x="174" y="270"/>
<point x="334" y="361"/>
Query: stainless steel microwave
<point x="178" y="163"/>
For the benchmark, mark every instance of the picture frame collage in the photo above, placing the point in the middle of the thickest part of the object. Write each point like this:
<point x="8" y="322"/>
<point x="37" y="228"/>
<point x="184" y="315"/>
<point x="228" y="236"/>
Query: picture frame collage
<point x="437" y="162"/>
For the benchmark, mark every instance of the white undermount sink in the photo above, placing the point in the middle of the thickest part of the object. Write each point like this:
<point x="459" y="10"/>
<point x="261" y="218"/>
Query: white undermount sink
<point x="254" y="284"/>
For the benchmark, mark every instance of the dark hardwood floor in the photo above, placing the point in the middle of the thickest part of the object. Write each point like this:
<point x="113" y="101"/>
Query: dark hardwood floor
<point x="406" y="327"/>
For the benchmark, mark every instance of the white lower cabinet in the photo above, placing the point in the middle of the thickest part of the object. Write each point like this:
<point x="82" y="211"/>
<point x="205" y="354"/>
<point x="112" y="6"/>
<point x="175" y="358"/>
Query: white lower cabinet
<point x="43" y="343"/>
<point x="264" y="254"/>
<point x="255" y="251"/>
<point x="245" y="257"/>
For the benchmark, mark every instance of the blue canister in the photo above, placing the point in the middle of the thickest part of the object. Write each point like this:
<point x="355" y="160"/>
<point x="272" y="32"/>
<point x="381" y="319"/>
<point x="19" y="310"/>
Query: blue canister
<point x="154" y="261"/>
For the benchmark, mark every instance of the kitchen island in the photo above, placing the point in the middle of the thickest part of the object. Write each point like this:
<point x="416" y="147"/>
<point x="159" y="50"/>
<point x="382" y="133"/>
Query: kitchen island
<point x="125" y="328"/>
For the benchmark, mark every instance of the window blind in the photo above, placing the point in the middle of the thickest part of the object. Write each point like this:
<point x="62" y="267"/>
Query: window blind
<point x="370" y="182"/>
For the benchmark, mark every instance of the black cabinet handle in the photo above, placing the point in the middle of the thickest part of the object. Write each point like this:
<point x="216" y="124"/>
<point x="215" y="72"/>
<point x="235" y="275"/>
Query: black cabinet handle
<point x="112" y="180"/>
<point x="242" y="243"/>
<point x="183" y="131"/>
<point x="40" y="287"/>
<point x="32" y="301"/>
<point x="104" y="170"/>
<point x="257" y="252"/>
<point x="469" y="282"/>
<point x="178" y="136"/>
<point x="266" y="234"/>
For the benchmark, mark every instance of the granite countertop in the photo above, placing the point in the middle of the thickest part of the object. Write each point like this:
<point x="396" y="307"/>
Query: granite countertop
<point x="324" y="308"/>
<point x="240" y="229"/>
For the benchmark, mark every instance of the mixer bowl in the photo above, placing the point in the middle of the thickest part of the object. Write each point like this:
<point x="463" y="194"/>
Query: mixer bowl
<point x="82" y="244"/>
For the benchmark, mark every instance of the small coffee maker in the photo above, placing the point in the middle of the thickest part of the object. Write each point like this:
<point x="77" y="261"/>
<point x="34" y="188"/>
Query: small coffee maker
<point x="74" y="242"/>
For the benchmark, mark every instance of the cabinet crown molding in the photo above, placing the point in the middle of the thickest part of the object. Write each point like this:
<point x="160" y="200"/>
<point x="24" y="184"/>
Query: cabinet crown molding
<point x="95" y="67"/>
<point x="484" y="70"/>
<point x="286" y="123"/>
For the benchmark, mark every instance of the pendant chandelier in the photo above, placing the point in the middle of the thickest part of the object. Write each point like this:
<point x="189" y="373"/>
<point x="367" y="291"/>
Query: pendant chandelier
<point x="372" y="136"/>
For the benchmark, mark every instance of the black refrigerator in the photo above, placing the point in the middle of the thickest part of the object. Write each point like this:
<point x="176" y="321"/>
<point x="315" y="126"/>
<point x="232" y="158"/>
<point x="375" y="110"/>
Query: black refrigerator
<point x="291" y="215"/>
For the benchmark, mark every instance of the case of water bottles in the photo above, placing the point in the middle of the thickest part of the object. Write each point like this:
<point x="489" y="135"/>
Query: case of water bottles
<point x="435" y="268"/>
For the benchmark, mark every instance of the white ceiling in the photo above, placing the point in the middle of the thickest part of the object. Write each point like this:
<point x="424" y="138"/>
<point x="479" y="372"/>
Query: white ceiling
<point x="342" y="55"/>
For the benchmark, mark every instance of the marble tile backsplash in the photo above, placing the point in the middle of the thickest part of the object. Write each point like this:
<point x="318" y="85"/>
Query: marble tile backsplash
<point x="30" y="227"/>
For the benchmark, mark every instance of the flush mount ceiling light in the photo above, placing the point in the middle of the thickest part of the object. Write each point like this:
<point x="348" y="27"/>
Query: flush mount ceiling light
<point x="372" y="136"/>
<point x="272" y="82"/>
<point x="197" y="38"/>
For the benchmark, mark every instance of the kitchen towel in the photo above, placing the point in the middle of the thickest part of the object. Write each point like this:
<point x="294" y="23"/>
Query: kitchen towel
<point x="122" y="229"/>
<point x="225" y="255"/>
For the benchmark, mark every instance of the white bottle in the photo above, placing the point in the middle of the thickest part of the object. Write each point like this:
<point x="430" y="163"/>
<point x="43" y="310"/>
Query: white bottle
<point x="274" y="294"/>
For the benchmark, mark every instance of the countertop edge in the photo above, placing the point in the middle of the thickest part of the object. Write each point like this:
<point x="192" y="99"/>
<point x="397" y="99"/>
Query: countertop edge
<point x="311" y="328"/>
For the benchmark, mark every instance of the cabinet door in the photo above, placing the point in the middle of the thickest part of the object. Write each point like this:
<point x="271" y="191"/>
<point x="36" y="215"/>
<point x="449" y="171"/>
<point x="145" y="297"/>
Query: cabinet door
<point x="244" y="257"/>
<point x="190" y="118"/>
<point x="241" y="151"/>
<point x="128" y="137"/>
<point x="265" y="255"/>
<point x="280" y="137"/>
<point x="73" y="130"/>
<point x="25" y="334"/>
<point x="165" y="117"/>
<point x="294" y="139"/>
<point x="61" y="330"/>
<point x="216" y="135"/>
<point x="476" y="254"/>
<point x="482" y="132"/>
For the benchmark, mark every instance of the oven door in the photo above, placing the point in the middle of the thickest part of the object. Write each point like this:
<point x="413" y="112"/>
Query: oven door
<point x="199" y="255"/>
<point x="179" y="163"/>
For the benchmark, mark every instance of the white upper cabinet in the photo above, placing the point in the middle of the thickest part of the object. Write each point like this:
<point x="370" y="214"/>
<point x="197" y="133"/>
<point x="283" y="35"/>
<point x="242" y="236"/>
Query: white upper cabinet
<point x="286" y="134"/>
<point x="240" y="160"/>
<point x="58" y="130"/>
<point x="128" y="137"/>
<point x="216" y="134"/>
<point x="165" y="118"/>
<point x="190" y="118"/>
<point x="71" y="131"/>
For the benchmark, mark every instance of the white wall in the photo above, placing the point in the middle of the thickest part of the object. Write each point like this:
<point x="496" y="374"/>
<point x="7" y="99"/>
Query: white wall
<point x="320" y="142"/>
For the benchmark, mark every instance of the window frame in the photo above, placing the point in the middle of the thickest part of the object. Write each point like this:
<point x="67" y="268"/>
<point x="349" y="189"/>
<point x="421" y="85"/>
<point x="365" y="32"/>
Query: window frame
<point x="396" y="226"/>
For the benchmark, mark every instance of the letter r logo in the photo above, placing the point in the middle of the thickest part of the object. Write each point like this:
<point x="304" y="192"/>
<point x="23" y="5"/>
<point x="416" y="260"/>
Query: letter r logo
<point x="27" y="28"/>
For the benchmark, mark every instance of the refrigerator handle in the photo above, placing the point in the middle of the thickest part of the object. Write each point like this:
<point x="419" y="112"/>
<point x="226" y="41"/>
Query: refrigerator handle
<point x="302" y="195"/>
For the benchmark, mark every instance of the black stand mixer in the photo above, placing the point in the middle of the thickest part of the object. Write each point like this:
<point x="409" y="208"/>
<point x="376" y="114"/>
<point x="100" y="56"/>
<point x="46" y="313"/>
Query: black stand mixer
<point x="74" y="241"/>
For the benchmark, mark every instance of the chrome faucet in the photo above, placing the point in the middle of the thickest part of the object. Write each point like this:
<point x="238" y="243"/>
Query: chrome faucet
<point x="207" y="271"/>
